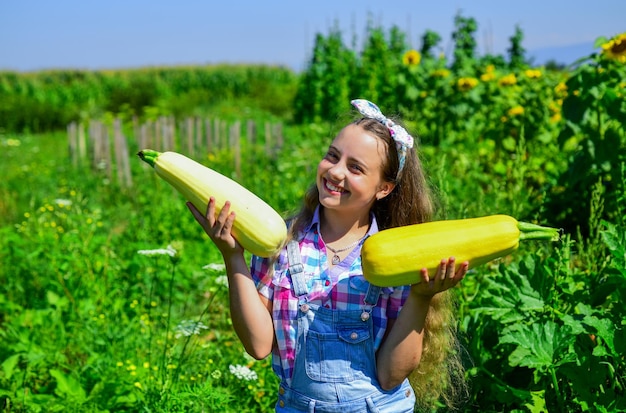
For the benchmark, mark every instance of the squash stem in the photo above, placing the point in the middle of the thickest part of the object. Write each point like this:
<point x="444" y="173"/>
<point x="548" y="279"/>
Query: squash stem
<point x="149" y="156"/>
<point x="530" y="231"/>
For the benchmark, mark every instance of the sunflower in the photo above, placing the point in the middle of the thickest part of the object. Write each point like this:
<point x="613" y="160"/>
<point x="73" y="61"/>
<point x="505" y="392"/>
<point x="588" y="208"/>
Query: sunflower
<point x="412" y="58"/>
<point x="517" y="110"/>
<point x="487" y="77"/>
<point x="616" y="48"/>
<point x="561" y="89"/>
<point x="441" y="73"/>
<point x="508" y="80"/>
<point x="533" y="73"/>
<point x="465" y="84"/>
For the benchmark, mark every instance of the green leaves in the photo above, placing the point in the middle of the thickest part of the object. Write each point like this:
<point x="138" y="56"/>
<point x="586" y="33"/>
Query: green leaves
<point x="562" y="347"/>
<point x="68" y="387"/>
<point x="539" y="346"/>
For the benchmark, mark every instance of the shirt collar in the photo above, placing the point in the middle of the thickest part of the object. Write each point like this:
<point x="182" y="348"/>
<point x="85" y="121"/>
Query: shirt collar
<point x="315" y="222"/>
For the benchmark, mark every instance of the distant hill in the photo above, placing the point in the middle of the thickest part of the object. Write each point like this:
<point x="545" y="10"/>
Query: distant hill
<point x="560" y="54"/>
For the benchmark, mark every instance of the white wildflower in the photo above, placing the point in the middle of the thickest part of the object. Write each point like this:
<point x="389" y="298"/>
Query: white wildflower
<point x="214" y="267"/>
<point x="243" y="372"/>
<point x="159" y="251"/>
<point x="188" y="328"/>
<point x="63" y="202"/>
<point x="222" y="280"/>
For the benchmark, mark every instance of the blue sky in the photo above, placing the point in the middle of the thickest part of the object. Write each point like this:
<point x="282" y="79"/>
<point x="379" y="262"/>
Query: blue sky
<point x="44" y="34"/>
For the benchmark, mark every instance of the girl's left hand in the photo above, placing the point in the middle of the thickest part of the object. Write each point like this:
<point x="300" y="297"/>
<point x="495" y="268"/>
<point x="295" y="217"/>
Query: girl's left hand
<point x="447" y="276"/>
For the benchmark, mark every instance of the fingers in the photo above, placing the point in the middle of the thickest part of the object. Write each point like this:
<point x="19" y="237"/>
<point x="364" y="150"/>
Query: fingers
<point x="196" y="214"/>
<point x="219" y="225"/>
<point x="224" y="221"/>
<point x="448" y="274"/>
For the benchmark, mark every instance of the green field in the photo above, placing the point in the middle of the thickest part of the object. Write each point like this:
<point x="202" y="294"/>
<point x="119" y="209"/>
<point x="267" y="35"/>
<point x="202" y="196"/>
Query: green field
<point x="112" y="299"/>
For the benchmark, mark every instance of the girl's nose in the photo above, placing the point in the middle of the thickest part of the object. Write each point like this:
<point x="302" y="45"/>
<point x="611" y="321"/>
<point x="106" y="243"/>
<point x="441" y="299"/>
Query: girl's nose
<point x="338" y="171"/>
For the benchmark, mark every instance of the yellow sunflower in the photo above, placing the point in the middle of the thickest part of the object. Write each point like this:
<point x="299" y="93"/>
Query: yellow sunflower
<point x="487" y="77"/>
<point x="441" y="73"/>
<point x="533" y="73"/>
<point x="616" y="48"/>
<point x="517" y="110"/>
<point x="412" y="58"/>
<point x="465" y="84"/>
<point x="561" y="89"/>
<point x="508" y="80"/>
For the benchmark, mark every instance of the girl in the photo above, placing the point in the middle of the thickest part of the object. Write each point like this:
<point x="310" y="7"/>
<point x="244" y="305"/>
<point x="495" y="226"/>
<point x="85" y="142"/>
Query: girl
<point x="340" y="344"/>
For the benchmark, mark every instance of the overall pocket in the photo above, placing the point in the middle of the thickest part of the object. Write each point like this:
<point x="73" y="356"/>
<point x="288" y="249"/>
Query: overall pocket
<point x="339" y="356"/>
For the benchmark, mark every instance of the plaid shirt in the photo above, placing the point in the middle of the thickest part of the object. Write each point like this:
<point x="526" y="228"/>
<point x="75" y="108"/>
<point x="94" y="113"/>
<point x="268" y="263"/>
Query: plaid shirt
<point x="342" y="288"/>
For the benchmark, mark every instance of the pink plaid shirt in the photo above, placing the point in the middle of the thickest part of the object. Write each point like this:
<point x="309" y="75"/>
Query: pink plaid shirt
<point x="342" y="288"/>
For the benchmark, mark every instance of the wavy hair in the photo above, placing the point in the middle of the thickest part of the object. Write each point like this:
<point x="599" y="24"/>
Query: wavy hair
<point x="439" y="378"/>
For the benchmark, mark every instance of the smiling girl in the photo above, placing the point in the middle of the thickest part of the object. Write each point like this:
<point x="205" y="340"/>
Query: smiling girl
<point x="340" y="344"/>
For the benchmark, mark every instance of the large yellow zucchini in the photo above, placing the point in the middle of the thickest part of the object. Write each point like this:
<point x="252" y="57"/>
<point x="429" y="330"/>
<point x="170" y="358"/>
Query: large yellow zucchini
<point x="395" y="256"/>
<point x="257" y="227"/>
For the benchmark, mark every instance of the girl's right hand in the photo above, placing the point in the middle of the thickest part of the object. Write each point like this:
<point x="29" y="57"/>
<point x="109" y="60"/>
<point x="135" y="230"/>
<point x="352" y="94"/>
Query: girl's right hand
<point x="218" y="228"/>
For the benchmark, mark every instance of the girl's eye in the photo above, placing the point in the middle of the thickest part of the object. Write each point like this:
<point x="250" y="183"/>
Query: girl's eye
<point x="356" y="167"/>
<point x="331" y="155"/>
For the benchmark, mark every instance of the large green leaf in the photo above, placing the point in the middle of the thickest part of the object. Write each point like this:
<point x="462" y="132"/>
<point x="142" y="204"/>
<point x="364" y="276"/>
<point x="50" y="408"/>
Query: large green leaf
<point x="509" y="297"/>
<point x="539" y="346"/>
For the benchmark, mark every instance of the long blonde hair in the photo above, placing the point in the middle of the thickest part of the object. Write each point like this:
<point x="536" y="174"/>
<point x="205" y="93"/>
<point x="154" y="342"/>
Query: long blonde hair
<point x="439" y="378"/>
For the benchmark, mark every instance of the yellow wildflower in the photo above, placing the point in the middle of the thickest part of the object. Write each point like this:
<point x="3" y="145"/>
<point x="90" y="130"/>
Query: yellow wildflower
<point x="554" y="107"/>
<point x="488" y="76"/>
<point x="465" y="84"/>
<point x="412" y="58"/>
<point x="533" y="73"/>
<point x="514" y="111"/>
<point x="561" y="89"/>
<point x="616" y="48"/>
<point x="441" y="73"/>
<point x="508" y="80"/>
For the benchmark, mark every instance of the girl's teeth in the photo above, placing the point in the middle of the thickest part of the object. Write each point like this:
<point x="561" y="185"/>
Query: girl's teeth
<point x="333" y="187"/>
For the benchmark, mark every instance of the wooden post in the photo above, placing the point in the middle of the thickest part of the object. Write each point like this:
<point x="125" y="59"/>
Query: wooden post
<point x="122" y="165"/>
<point x="172" y="141"/>
<point x="235" y="138"/>
<point x="216" y="134"/>
<point x="82" y="143"/>
<point x="72" y="144"/>
<point x="158" y="134"/>
<point x="268" y="139"/>
<point x="278" y="131"/>
<point x="189" y="132"/>
<point x="198" y="134"/>
<point x="251" y="131"/>
<point x="209" y="135"/>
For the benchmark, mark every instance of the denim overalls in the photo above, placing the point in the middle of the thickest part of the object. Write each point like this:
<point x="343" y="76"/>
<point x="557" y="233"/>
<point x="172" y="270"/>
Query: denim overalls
<point x="335" y="365"/>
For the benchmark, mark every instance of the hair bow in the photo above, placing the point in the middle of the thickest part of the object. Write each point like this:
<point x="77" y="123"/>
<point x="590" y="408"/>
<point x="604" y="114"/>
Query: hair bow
<point x="403" y="140"/>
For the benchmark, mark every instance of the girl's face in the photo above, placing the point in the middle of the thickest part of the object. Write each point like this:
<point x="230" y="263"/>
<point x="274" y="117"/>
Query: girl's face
<point x="349" y="177"/>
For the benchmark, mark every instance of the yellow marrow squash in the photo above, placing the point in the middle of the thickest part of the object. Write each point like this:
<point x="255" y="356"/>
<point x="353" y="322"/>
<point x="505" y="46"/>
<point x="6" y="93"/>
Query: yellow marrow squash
<point x="257" y="227"/>
<point x="395" y="256"/>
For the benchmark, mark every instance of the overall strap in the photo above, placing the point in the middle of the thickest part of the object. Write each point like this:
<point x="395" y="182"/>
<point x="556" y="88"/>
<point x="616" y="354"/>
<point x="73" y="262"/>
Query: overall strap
<point x="373" y="292"/>
<point x="371" y="298"/>
<point x="296" y="269"/>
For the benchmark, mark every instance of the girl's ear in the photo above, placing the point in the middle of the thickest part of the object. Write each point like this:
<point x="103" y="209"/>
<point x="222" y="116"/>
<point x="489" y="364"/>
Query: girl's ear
<point x="384" y="190"/>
